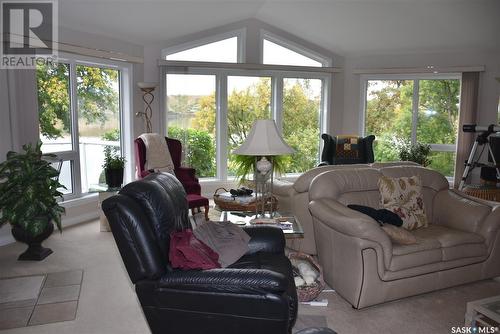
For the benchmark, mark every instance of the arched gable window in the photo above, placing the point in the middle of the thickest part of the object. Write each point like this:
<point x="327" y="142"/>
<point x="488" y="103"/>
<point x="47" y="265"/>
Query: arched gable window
<point x="211" y="107"/>
<point x="223" y="48"/>
<point x="278" y="51"/>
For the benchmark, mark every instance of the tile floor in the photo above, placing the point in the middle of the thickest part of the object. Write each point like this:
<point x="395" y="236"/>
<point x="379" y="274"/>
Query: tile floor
<point x="39" y="299"/>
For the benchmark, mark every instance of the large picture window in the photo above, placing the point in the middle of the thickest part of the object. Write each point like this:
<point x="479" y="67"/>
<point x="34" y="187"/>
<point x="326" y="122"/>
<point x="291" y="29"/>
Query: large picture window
<point x="191" y="118"/>
<point x="211" y="109"/>
<point x="80" y="107"/>
<point x="423" y="110"/>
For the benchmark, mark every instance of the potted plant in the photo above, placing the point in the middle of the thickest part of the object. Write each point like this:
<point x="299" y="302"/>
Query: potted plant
<point x="245" y="165"/>
<point x="28" y="199"/>
<point x="418" y="153"/>
<point x="113" y="167"/>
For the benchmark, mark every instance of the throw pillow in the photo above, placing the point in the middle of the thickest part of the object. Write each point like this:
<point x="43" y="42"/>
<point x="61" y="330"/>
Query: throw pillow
<point x="403" y="196"/>
<point x="399" y="235"/>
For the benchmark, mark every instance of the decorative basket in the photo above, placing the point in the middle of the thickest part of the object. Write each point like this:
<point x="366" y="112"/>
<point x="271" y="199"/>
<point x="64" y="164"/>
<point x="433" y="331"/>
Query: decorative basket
<point x="306" y="293"/>
<point x="226" y="205"/>
<point x="489" y="193"/>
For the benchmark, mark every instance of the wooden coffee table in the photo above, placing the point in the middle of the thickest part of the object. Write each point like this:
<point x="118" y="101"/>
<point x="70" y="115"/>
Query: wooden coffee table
<point x="243" y="218"/>
<point x="483" y="313"/>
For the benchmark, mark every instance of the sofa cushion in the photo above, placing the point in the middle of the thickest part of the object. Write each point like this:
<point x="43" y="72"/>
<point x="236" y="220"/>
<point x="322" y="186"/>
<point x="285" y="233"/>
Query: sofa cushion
<point x="455" y="244"/>
<point x="399" y="235"/>
<point x="420" y="246"/>
<point x="437" y="244"/>
<point x="414" y="259"/>
<point x="447" y="236"/>
<point x="464" y="251"/>
<point x="403" y="196"/>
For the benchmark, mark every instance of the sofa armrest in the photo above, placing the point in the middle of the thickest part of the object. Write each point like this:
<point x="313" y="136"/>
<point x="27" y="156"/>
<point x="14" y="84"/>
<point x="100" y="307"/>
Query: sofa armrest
<point x="457" y="210"/>
<point x="282" y="188"/>
<point x="352" y="223"/>
<point x="265" y="239"/>
<point x="491" y="225"/>
<point x="247" y="281"/>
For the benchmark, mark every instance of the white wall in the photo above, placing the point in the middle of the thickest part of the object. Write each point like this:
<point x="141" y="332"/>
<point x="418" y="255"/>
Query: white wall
<point x="488" y="90"/>
<point x="19" y="121"/>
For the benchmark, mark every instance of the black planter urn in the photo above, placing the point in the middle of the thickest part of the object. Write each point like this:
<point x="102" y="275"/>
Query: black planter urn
<point x="114" y="177"/>
<point x="35" y="251"/>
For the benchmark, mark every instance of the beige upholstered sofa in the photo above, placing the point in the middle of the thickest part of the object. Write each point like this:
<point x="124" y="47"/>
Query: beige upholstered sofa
<point x="293" y="197"/>
<point x="461" y="244"/>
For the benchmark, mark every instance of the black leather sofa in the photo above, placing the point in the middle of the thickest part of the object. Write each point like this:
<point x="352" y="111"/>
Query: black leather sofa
<point x="254" y="295"/>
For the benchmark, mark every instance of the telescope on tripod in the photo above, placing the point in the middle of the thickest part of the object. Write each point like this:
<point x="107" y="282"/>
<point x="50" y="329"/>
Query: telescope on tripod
<point x="491" y="142"/>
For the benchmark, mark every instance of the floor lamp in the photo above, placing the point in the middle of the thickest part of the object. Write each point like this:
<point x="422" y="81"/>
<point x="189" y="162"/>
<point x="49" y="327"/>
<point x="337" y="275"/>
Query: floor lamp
<point x="147" y="89"/>
<point x="264" y="142"/>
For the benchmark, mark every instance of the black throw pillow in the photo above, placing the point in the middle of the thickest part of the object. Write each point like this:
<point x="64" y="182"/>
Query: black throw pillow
<point x="382" y="216"/>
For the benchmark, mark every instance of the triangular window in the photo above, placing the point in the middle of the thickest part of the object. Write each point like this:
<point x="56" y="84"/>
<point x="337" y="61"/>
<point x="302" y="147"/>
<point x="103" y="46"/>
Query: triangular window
<point x="275" y="54"/>
<point x="222" y="51"/>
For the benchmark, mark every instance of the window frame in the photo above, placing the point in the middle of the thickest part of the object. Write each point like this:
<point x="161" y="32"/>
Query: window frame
<point x="240" y="35"/>
<point x="364" y="78"/>
<point x="126" y="121"/>
<point x="221" y="94"/>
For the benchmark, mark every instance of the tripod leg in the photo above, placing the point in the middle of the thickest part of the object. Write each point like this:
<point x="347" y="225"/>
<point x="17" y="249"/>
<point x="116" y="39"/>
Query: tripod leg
<point x="497" y="167"/>
<point x="468" y="165"/>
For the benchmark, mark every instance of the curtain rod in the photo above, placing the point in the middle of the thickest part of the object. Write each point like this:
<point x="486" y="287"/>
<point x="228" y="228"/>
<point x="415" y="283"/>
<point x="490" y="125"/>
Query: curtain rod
<point x="92" y="52"/>
<point x="416" y="70"/>
<point x="248" y="66"/>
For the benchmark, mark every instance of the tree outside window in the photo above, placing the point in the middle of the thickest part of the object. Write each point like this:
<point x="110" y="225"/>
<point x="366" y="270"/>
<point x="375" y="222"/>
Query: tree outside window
<point x="390" y="117"/>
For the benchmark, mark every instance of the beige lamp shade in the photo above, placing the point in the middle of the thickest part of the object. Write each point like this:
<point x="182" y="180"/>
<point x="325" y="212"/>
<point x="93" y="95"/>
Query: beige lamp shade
<point x="264" y="139"/>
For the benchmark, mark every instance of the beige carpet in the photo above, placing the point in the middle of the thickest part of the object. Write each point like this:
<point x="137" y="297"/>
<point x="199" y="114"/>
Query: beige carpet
<point x="108" y="303"/>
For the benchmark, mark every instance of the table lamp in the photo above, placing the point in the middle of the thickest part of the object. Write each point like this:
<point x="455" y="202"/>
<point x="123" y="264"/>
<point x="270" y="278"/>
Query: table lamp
<point x="264" y="141"/>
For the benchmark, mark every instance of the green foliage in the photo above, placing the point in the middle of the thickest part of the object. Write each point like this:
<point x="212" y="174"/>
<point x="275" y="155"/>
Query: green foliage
<point x="112" y="159"/>
<point x="300" y="126"/>
<point x="97" y="97"/>
<point x="199" y="149"/>
<point x="245" y="165"/>
<point x="111" y="135"/>
<point x="389" y="117"/>
<point x="418" y="153"/>
<point x="29" y="189"/>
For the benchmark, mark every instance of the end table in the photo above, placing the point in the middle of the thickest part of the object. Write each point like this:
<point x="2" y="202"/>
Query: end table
<point x="104" y="192"/>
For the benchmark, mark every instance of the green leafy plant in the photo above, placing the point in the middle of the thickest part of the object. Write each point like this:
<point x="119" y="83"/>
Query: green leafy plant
<point x="245" y="165"/>
<point x="111" y="135"/>
<point x="418" y="153"/>
<point x="112" y="160"/>
<point x="29" y="190"/>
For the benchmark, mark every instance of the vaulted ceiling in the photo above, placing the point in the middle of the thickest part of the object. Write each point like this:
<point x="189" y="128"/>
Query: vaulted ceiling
<point x="343" y="26"/>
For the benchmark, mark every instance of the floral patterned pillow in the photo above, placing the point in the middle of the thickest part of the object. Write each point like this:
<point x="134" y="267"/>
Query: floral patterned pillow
<point x="403" y="196"/>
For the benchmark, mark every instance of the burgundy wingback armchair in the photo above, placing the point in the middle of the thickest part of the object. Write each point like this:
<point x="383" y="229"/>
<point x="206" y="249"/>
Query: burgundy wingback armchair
<point x="186" y="175"/>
